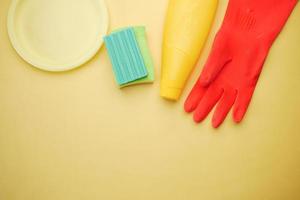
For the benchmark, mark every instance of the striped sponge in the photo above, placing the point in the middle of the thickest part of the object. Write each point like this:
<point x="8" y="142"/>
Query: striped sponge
<point x="126" y="56"/>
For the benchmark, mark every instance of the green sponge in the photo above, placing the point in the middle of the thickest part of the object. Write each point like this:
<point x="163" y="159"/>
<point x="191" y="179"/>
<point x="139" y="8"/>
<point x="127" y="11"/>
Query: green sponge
<point x="125" y="55"/>
<point x="132" y="61"/>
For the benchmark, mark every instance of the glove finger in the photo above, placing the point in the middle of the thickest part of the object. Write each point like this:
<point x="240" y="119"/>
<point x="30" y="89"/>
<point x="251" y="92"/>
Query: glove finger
<point x="209" y="100"/>
<point x="223" y="107"/>
<point x="242" y="102"/>
<point x="194" y="97"/>
<point x="217" y="59"/>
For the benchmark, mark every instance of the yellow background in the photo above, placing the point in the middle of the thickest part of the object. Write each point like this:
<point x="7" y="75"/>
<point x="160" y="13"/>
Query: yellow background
<point x="75" y="135"/>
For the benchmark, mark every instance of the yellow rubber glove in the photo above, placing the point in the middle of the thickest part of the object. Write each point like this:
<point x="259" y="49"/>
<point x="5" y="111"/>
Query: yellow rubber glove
<point x="187" y="26"/>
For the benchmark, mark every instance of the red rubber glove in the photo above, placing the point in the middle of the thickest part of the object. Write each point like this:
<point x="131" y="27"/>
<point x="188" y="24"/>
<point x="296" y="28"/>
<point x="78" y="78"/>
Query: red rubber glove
<point x="238" y="54"/>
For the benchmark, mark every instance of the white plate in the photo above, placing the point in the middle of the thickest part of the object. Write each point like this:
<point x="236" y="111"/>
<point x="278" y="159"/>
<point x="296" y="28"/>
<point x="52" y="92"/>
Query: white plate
<point x="57" y="35"/>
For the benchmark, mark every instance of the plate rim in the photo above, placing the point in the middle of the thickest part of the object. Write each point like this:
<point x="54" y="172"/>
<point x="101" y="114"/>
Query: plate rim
<point x="64" y="66"/>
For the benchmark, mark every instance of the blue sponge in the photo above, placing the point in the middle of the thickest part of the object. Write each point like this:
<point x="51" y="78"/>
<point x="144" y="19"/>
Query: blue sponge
<point x="126" y="56"/>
